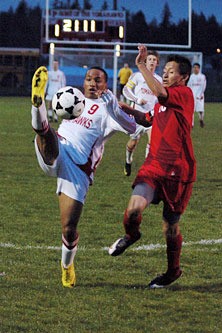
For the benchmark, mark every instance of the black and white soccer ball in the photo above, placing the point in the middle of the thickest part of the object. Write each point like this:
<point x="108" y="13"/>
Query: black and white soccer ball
<point x="68" y="102"/>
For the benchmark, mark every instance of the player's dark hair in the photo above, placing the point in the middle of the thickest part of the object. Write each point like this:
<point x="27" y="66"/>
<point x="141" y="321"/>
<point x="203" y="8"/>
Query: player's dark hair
<point x="184" y="63"/>
<point x="196" y="64"/>
<point x="100" y="69"/>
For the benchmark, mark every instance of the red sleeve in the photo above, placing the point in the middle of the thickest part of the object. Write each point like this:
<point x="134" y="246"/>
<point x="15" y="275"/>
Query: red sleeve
<point x="180" y="99"/>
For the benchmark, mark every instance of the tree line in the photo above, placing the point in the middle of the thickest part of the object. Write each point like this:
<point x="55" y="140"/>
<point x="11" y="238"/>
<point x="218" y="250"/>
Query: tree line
<point x="22" y="27"/>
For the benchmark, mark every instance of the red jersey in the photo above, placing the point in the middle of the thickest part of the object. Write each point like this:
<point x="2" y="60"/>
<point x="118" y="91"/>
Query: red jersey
<point x="171" y="151"/>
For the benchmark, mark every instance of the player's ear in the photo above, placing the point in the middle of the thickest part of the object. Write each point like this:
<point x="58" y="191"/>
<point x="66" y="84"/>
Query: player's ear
<point x="185" y="78"/>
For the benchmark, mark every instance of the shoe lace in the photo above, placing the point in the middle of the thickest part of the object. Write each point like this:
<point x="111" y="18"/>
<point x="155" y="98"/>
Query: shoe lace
<point x="67" y="274"/>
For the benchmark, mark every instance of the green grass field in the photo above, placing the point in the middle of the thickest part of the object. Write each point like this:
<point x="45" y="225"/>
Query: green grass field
<point x="111" y="295"/>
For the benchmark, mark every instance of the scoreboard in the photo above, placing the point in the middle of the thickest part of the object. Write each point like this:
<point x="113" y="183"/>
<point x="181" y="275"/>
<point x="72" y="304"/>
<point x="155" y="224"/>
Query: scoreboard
<point x="64" y="26"/>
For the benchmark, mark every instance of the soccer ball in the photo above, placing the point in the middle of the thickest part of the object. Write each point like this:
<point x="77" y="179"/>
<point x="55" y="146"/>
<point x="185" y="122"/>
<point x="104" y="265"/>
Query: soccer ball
<point x="68" y="102"/>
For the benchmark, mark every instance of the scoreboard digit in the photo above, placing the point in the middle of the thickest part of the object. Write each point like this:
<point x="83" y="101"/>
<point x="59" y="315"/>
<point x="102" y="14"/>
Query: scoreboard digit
<point x="84" y="25"/>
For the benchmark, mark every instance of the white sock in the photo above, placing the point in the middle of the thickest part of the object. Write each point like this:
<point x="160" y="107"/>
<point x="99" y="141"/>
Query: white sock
<point x="50" y="113"/>
<point x="68" y="255"/>
<point x="129" y="156"/>
<point x="39" y="118"/>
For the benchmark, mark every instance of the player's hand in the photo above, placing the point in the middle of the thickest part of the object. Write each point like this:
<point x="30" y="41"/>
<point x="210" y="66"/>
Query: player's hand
<point x="122" y="104"/>
<point x="125" y="106"/>
<point x="141" y="58"/>
<point x="107" y="96"/>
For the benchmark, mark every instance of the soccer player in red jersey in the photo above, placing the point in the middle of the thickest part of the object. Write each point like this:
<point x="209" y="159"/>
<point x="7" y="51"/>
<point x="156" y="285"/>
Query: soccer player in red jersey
<point x="169" y="170"/>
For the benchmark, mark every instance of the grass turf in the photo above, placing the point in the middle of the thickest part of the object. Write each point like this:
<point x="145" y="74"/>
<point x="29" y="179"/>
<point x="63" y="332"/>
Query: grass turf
<point x="111" y="293"/>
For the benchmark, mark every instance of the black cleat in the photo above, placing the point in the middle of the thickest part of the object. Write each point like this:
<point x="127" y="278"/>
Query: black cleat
<point x="164" y="280"/>
<point x="127" y="169"/>
<point x="122" y="244"/>
<point x="201" y="123"/>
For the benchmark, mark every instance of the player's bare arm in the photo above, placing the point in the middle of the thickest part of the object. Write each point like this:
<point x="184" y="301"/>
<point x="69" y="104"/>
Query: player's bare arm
<point x="153" y="84"/>
<point x="141" y="118"/>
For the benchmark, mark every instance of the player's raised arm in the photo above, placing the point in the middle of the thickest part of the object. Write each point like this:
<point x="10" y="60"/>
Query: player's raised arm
<point x="153" y="84"/>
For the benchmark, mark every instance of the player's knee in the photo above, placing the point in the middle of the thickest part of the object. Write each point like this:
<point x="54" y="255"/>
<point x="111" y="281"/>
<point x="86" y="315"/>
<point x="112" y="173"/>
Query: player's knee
<point x="131" y="222"/>
<point x="131" y="145"/>
<point x="171" y="230"/>
<point x="70" y="241"/>
<point x="134" y="214"/>
<point x="70" y="235"/>
<point x="69" y="231"/>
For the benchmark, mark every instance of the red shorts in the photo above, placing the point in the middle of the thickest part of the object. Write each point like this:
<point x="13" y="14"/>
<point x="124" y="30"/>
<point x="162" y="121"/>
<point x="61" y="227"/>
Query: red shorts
<point x="175" y="195"/>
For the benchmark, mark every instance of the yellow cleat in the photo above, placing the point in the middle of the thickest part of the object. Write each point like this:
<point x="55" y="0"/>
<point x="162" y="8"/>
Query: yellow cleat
<point x="68" y="276"/>
<point x="39" y="81"/>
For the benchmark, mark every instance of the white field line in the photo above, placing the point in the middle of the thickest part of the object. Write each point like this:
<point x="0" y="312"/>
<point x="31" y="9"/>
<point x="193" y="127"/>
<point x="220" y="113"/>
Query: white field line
<point x="149" y="247"/>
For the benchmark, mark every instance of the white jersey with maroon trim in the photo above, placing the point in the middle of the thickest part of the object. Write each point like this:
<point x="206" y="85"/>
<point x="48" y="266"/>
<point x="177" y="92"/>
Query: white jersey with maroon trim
<point x="136" y="89"/>
<point x="88" y="133"/>
<point x="56" y="80"/>
<point x="197" y="83"/>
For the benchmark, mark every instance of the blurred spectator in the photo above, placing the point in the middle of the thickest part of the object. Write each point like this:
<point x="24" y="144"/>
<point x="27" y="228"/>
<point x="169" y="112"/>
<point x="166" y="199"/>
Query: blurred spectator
<point x="197" y="83"/>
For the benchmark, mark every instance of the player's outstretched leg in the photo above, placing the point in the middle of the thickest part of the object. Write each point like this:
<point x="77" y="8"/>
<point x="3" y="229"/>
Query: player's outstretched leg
<point x="39" y="81"/>
<point x="38" y="111"/>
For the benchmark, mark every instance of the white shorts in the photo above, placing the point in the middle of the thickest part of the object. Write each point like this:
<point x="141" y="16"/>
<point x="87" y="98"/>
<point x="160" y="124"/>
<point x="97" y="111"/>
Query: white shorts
<point x="49" y="97"/>
<point x="199" y="105"/>
<point x="71" y="180"/>
<point x="140" y="130"/>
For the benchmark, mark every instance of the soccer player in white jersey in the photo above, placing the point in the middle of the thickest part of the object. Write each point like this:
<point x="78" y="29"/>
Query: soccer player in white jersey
<point x="197" y="83"/>
<point x="56" y="80"/>
<point x="73" y="153"/>
<point x="143" y="99"/>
